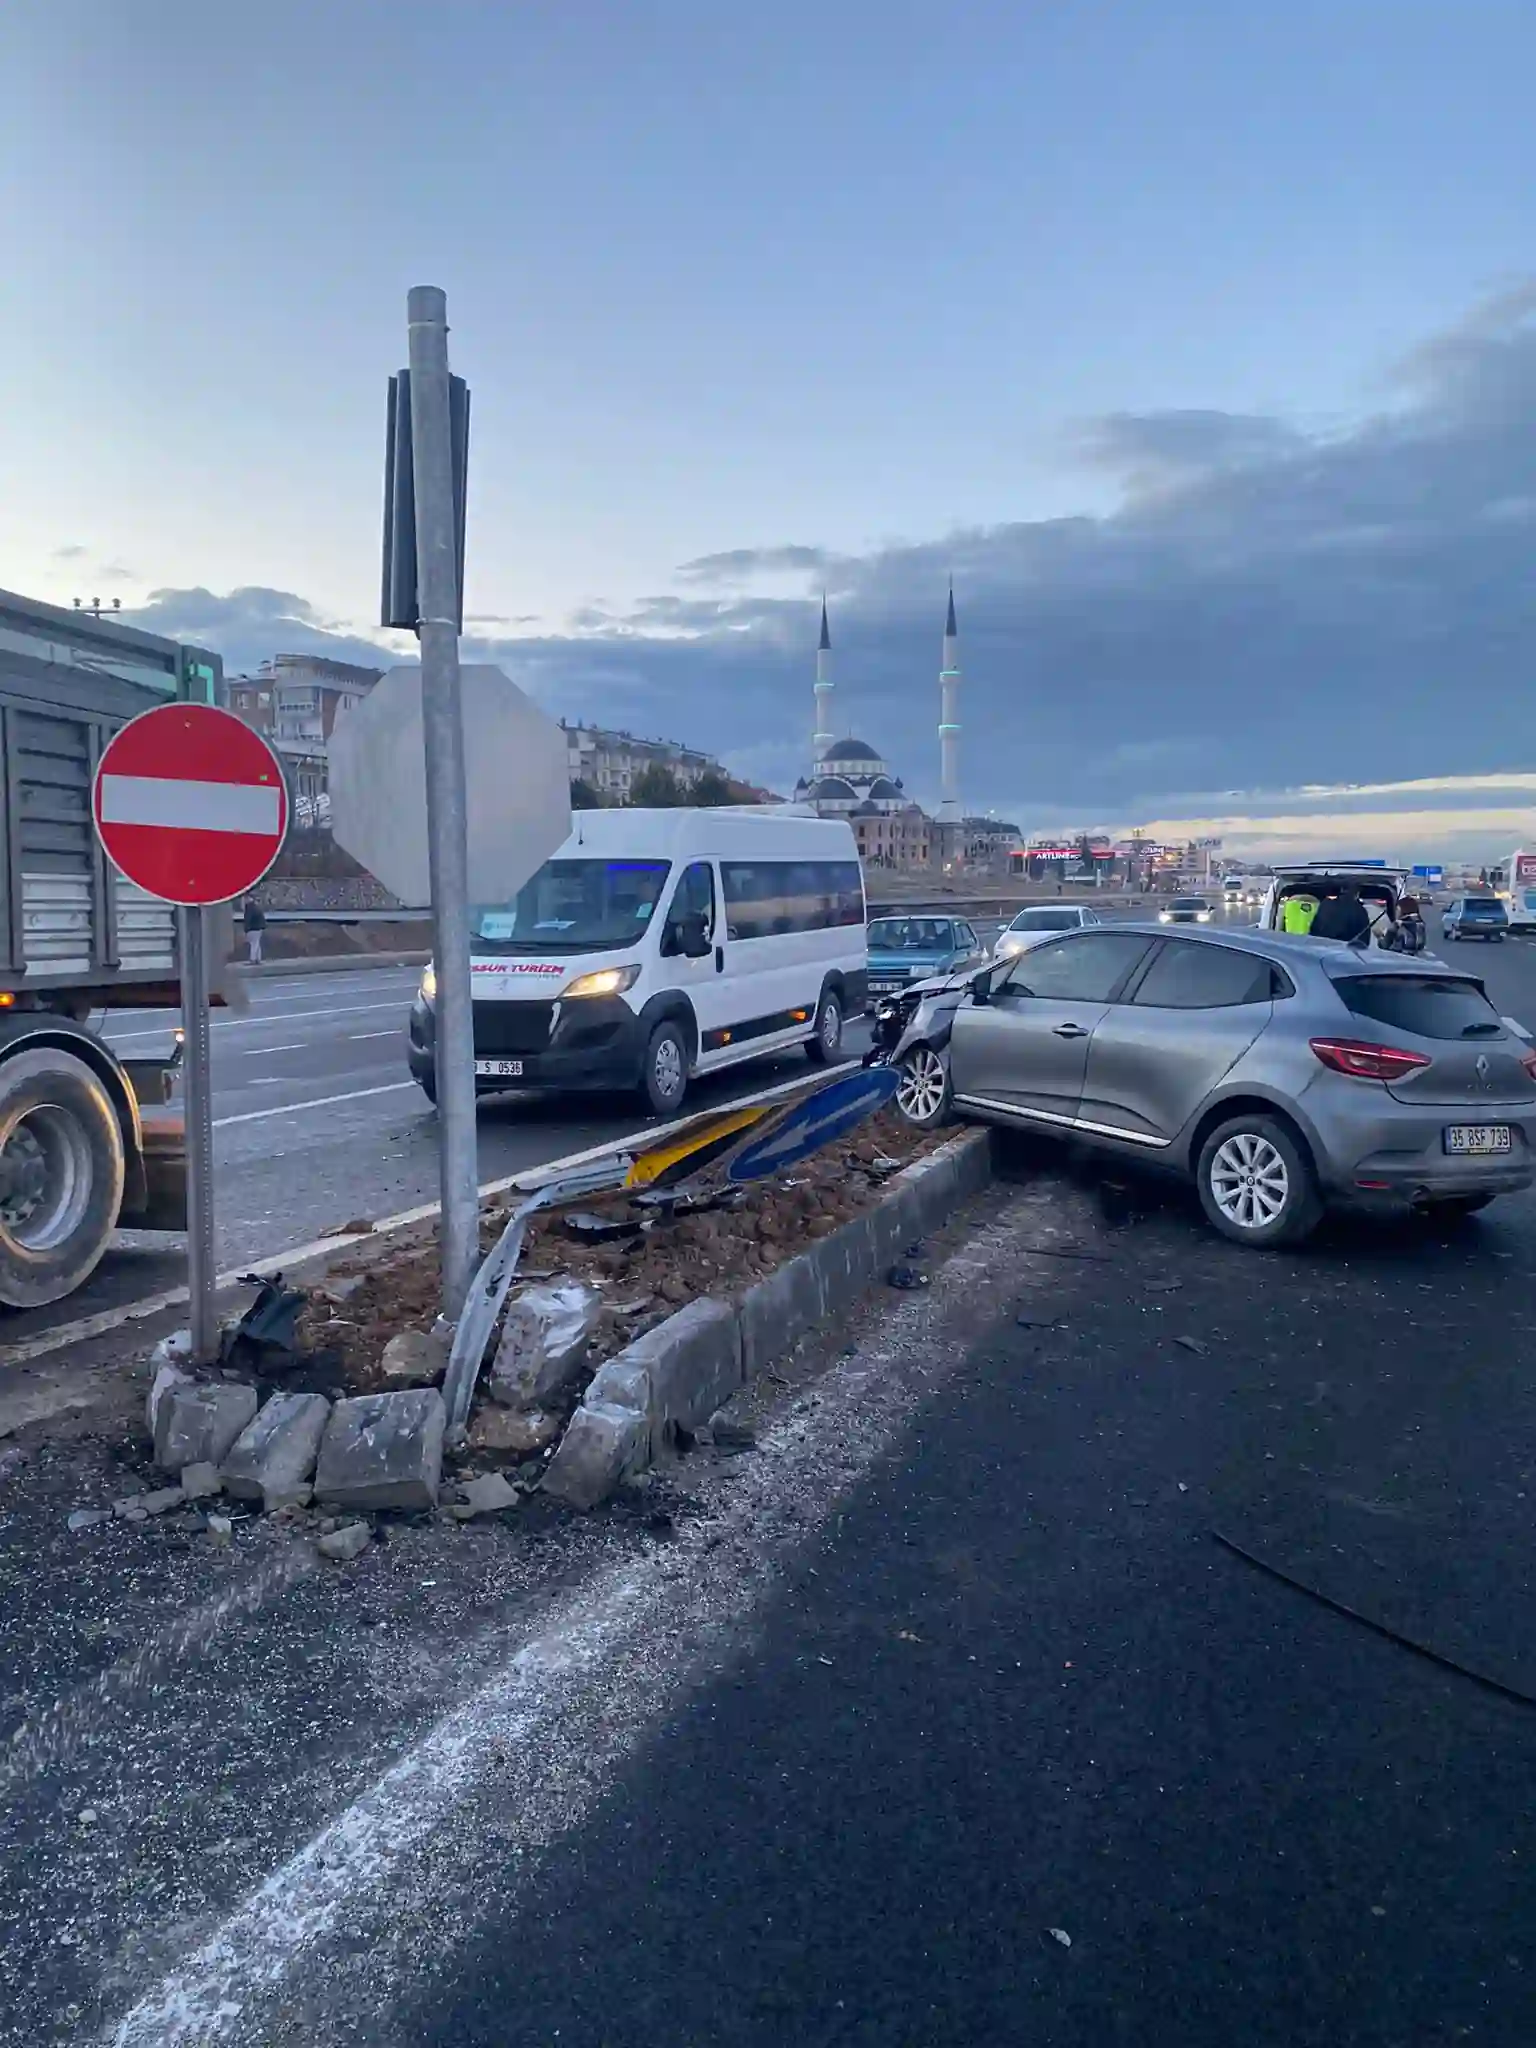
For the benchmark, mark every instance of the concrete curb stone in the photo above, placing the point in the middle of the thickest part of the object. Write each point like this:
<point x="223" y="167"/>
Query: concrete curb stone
<point x="687" y="1367"/>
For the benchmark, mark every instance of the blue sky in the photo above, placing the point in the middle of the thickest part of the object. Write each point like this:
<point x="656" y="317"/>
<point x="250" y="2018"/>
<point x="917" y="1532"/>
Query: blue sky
<point x="901" y="287"/>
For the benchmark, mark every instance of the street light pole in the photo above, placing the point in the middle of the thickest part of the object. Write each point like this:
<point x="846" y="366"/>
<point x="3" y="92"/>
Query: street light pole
<point x="437" y="575"/>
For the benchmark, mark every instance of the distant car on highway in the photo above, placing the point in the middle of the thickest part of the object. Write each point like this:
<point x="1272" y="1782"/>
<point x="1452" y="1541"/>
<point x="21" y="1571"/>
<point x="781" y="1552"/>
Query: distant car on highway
<point x="1474" y="917"/>
<point x="906" y="949"/>
<point x="1280" y="1073"/>
<point x="1186" y="910"/>
<point x="1040" y="922"/>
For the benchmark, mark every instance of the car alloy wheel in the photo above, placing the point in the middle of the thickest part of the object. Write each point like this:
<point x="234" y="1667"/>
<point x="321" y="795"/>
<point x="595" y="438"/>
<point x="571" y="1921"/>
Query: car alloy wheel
<point x="922" y="1093"/>
<point x="1250" y="1183"/>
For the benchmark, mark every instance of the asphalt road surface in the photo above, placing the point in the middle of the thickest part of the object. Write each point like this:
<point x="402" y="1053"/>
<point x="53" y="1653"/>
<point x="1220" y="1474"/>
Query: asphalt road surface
<point x="940" y="1719"/>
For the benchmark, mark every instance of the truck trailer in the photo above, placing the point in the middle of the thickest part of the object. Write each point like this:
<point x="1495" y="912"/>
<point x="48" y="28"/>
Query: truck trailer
<point x="90" y="1142"/>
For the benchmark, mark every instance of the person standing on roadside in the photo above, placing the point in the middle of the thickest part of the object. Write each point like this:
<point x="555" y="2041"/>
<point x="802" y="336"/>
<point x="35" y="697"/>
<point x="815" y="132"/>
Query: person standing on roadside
<point x="1299" y="913"/>
<point x="1343" y="917"/>
<point x="1407" y="934"/>
<point x="254" y="919"/>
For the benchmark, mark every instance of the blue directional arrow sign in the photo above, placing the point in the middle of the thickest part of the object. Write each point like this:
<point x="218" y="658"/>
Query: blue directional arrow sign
<point x="816" y="1121"/>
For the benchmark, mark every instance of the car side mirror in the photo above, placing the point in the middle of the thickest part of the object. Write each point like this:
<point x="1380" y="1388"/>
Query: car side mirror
<point x="981" y="987"/>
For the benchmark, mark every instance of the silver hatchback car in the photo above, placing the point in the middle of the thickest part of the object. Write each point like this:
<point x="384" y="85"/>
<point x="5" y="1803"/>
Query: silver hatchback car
<point x="1280" y="1072"/>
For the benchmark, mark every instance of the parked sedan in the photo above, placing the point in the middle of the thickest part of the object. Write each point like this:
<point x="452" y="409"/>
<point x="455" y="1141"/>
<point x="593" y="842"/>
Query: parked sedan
<point x="906" y="949"/>
<point x="1280" y="1073"/>
<point x="1042" y="921"/>
<point x="1474" y="917"/>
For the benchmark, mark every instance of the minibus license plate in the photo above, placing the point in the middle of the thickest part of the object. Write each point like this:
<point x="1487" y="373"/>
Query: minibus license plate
<point x="498" y="1070"/>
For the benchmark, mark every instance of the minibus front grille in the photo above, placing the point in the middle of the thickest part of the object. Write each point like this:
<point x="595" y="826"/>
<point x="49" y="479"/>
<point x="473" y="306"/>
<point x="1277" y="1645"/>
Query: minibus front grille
<point x="512" y="1027"/>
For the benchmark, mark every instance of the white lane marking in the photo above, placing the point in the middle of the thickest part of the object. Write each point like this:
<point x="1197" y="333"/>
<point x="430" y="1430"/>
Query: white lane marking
<point x="193" y="806"/>
<point x="260" y="1052"/>
<point x="549" y="1732"/>
<point x="287" y="1017"/>
<point x="254" y="1116"/>
<point x="357" y="1037"/>
<point x="86" y="1327"/>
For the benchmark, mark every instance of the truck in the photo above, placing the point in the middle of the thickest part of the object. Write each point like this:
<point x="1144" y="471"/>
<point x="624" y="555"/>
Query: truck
<point x="90" y="1142"/>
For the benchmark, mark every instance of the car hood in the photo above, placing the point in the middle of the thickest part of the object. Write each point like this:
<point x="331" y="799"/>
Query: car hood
<point x="907" y="961"/>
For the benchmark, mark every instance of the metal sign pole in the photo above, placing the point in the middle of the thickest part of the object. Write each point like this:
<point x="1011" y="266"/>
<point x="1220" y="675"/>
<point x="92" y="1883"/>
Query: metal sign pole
<point x="443" y="735"/>
<point x="193" y="933"/>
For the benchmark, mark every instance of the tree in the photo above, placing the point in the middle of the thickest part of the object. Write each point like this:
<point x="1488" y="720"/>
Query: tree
<point x="656" y="788"/>
<point x="712" y="788"/>
<point x="584" y="797"/>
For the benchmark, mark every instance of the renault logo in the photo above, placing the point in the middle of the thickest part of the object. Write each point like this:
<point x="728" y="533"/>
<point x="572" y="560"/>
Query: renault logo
<point x="1482" y="1066"/>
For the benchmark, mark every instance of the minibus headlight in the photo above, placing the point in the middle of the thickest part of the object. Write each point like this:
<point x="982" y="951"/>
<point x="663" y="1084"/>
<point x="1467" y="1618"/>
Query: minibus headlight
<point x="605" y="981"/>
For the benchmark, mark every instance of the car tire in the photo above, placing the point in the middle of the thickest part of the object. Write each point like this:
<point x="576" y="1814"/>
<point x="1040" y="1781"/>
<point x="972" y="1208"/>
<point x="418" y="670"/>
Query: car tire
<point x="427" y="1083"/>
<point x="826" y="1041"/>
<point x="1256" y="1184"/>
<point x="924" y="1093"/>
<point x="664" y="1077"/>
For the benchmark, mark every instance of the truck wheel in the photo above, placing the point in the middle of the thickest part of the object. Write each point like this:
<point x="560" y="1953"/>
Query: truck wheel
<point x="61" y="1175"/>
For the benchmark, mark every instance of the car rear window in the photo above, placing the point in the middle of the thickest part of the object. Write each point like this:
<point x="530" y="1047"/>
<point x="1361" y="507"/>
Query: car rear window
<point x="1482" y="906"/>
<point x="1045" y="921"/>
<point x="1427" y="1005"/>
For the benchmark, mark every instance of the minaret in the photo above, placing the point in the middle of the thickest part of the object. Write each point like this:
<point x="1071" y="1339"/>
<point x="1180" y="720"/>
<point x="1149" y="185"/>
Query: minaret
<point x="823" y="736"/>
<point x="949" y="719"/>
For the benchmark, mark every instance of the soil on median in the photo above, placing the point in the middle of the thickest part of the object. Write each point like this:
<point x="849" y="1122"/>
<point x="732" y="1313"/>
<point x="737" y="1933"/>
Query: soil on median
<point x="643" y="1277"/>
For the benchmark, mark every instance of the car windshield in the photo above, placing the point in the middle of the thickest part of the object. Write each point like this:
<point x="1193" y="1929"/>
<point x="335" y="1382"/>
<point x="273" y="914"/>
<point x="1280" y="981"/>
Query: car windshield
<point x="572" y="906"/>
<point x="908" y="935"/>
<point x="1045" y="921"/>
<point x="1189" y="903"/>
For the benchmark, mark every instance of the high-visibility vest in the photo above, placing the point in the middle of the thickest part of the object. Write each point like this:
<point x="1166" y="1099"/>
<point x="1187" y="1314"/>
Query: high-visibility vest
<point x="1299" y="913"/>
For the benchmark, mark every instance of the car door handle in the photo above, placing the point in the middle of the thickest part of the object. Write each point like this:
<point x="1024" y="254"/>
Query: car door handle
<point x="1069" y="1031"/>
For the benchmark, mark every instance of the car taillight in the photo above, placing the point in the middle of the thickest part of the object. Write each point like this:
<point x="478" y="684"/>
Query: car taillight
<point x="1367" y="1062"/>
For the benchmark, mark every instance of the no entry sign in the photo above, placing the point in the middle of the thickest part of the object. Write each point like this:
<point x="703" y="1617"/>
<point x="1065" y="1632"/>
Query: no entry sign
<point x="190" y="804"/>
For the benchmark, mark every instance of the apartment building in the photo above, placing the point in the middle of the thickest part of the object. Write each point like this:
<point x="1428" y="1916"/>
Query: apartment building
<point x="608" y="762"/>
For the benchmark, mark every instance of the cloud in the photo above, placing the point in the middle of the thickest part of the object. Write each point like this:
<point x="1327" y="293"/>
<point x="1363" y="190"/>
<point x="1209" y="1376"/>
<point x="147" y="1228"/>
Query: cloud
<point x="72" y="552"/>
<point x="1269" y="607"/>
<point x="248" y="625"/>
<point x="741" y="565"/>
<point x="1154" y="451"/>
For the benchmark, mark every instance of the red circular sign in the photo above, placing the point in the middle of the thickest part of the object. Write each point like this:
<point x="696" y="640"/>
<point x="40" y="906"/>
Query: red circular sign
<point x="190" y="804"/>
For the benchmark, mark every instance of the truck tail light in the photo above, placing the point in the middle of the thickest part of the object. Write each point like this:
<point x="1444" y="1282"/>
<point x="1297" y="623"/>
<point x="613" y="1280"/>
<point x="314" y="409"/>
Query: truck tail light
<point x="1365" y="1061"/>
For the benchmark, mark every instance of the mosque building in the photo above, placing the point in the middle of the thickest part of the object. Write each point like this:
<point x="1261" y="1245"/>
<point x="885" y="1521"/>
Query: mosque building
<point x="850" y="779"/>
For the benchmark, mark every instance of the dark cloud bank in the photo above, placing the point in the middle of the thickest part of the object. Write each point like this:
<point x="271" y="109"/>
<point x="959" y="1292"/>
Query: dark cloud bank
<point x="1268" y="607"/>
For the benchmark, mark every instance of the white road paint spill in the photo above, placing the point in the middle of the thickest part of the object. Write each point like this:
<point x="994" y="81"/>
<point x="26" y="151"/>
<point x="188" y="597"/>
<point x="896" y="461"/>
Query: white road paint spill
<point x="56" y="1737"/>
<point x="547" y="1733"/>
<point x="256" y="1116"/>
